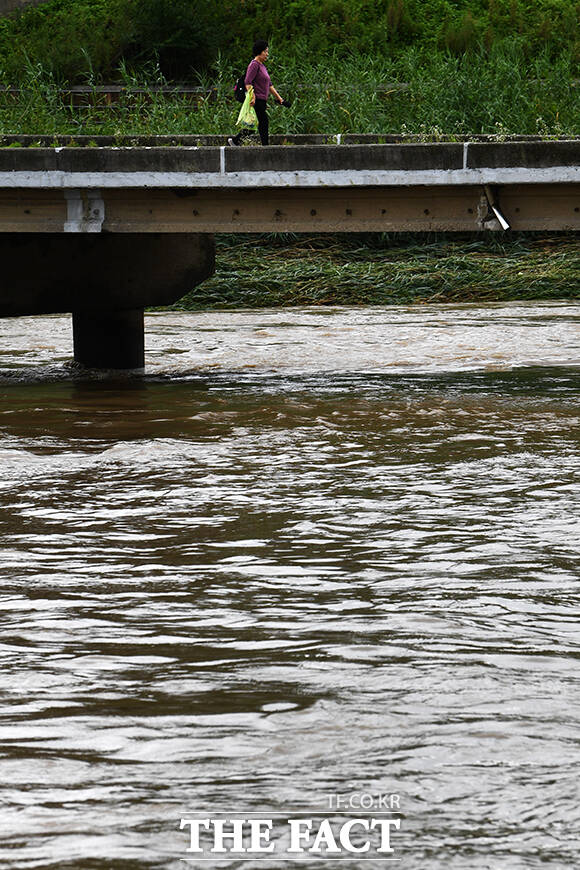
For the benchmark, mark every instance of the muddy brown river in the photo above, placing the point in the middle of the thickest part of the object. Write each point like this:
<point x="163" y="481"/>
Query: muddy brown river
<point x="308" y="555"/>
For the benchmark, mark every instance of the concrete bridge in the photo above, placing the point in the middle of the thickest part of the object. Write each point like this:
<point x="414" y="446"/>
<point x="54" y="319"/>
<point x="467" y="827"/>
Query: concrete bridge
<point x="108" y="229"/>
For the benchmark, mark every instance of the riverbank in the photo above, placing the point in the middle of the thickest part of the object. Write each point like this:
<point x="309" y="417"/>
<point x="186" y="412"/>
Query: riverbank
<point x="258" y="271"/>
<point x="424" y="68"/>
<point x="502" y="94"/>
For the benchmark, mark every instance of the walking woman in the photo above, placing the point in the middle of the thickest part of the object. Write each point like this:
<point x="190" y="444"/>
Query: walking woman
<point x="258" y="78"/>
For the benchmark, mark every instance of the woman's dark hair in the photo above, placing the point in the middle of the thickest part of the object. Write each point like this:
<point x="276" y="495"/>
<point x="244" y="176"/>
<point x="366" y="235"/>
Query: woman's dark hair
<point x="259" y="46"/>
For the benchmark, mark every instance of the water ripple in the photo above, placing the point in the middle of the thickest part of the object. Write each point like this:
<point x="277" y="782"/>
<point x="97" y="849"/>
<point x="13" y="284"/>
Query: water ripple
<point x="323" y="552"/>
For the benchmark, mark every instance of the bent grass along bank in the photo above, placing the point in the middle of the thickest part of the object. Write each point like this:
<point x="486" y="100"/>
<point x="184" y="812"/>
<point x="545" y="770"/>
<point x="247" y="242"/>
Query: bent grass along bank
<point x="380" y="269"/>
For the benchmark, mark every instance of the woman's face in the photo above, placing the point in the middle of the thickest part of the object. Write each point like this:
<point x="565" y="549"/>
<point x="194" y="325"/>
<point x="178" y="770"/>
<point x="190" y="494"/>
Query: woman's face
<point x="263" y="56"/>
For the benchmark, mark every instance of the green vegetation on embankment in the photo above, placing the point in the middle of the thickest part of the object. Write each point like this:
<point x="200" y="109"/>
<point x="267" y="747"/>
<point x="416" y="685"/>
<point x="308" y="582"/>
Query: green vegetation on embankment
<point x="74" y="38"/>
<point x="379" y="269"/>
<point x="377" y="66"/>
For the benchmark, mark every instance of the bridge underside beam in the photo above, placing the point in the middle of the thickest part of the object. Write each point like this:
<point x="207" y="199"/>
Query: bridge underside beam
<point x="454" y="208"/>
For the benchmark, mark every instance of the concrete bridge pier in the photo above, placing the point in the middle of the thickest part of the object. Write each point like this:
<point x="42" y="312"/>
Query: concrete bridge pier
<point x="109" y="339"/>
<point x="106" y="280"/>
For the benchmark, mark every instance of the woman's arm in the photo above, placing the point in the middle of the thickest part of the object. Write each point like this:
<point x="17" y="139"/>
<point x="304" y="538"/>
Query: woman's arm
<point x="275" y="93"/>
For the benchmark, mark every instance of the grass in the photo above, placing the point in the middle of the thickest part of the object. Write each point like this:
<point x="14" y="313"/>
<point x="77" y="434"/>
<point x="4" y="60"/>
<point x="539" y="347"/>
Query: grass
<point x="498" y="92"/>
<point x="76" y="38"/>
<point x="381" y="269"/>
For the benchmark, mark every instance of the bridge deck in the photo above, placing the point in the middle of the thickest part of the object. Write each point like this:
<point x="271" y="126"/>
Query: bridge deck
<point x="412" y="186"/>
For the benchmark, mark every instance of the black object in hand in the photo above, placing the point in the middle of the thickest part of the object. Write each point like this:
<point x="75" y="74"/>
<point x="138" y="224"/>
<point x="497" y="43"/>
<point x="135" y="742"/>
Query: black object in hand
<point x="286" y="103"/>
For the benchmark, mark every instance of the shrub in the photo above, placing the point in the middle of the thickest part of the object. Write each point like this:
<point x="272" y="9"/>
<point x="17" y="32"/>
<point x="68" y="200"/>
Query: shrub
<point x="73" y="40"/>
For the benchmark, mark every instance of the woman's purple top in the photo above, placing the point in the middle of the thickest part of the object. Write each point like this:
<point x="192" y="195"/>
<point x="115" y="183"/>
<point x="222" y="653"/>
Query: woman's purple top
<point x="257" y="75"/>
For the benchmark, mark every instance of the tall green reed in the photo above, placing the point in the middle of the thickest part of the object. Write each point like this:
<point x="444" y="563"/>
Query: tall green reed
<point x="497" y="92"/>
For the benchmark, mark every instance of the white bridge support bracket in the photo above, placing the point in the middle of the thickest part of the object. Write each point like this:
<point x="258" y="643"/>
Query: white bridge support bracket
<point x="85" y="211"/>
<point x="492" y="198"/>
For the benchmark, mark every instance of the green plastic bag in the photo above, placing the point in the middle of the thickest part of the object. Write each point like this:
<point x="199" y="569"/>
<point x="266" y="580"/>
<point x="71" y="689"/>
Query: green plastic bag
<point x="247" y="119"/>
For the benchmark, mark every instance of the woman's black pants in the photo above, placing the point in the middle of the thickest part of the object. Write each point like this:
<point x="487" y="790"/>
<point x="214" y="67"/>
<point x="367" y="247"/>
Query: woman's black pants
<point x="260" y="107"/>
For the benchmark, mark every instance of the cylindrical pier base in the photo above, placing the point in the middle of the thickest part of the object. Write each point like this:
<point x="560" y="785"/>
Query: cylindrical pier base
<point x="109" y="339"/>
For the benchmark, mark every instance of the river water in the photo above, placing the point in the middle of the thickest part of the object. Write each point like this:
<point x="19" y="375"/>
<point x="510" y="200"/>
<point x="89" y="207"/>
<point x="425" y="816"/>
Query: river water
<point x="308" y="553"/>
